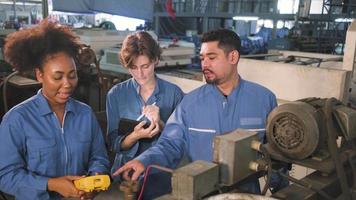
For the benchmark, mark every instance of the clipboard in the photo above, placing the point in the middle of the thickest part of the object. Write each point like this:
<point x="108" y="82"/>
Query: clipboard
<point x="126" y="126"/>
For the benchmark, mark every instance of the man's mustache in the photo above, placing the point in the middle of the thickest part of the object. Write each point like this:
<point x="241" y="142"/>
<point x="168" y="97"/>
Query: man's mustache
<point x="207" y="71"/>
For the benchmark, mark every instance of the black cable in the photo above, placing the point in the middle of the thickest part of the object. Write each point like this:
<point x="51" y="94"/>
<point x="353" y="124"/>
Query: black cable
<point x="4" y="96"/>
<point x="269" y="169"/>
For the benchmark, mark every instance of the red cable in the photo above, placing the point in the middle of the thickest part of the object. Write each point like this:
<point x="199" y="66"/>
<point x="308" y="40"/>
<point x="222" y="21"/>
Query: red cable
<point x="146" y="175"/>
<point x="144" y="182"/>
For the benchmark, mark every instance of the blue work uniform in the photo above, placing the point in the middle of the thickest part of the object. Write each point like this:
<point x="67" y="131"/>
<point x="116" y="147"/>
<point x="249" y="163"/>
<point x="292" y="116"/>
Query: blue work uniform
<point x="205" y="113"/>
<point x="35" y="147"/>
<point x="124" y="101"/>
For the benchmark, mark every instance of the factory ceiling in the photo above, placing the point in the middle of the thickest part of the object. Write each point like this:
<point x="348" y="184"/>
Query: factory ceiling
<point x="129" y="8"/>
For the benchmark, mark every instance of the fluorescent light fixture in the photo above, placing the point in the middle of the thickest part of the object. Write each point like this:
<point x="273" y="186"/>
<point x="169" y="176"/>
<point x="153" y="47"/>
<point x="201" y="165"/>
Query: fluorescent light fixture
<point x="245" y="18"/>
<point x="344" y="20"/>
<point x="20" y="3"/>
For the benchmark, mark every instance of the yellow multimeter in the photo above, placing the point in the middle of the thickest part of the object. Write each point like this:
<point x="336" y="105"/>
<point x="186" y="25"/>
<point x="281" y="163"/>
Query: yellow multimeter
<point x="93" y="183"/>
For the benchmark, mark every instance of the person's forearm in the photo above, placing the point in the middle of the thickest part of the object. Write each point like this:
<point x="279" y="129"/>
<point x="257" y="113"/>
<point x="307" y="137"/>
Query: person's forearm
<point x="11" y="182"/>
<point x="129" y="141"/>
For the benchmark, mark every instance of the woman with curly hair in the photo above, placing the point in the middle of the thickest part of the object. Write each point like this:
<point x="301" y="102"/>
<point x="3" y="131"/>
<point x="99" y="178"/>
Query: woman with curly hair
<point x="50" y="139"/>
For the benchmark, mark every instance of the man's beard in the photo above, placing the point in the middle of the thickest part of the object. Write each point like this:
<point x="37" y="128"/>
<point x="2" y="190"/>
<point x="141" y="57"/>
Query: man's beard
<point x="209" y="81"/>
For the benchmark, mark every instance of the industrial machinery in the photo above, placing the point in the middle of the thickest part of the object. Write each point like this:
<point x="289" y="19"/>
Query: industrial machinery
<point x="107" y="43"/>
<point x="318" y="134"/>
<point x="171" y="56"/>
<point x="312" y="132"/>
<point x="99" y="39"/>
<point x="232" y="155"/>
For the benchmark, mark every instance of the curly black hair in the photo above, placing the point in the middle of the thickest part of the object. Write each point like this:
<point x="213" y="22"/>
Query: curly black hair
<point x="29" y="48"/>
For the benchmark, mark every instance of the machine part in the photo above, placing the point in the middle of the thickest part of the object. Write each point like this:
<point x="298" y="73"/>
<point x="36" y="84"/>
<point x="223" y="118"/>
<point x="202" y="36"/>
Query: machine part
<point x="258" y="165"/>
<point x="234" y="153"/>
<point x="93" y="183"/>
<point x="333" y="149"/>
<point x="130" y="189"/>
<point x="306" y="184"/>
<point x="86" y="55"/>
<point x="256" y="145"/>
<point x="330" y="117"/>
<point x="195" y="180"/>
<point x="254" y="166"/>
<point x="293" y="129"/>
<point x="346" y="118"/>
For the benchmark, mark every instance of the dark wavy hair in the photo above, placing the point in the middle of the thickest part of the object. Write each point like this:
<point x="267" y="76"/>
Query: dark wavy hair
<point x="137" y="44"/>
<point x="29" y="48"/>
<point x="227" y="39"/>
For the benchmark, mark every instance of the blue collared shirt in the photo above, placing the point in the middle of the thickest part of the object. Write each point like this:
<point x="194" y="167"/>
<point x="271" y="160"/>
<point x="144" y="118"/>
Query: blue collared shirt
<point x="205" y="113"/>
<point x="34" y="147"/>
<point x="124" y="101"/>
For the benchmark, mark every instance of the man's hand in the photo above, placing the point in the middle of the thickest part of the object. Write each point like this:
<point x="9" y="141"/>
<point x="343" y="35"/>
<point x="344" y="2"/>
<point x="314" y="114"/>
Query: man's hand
<point x="64" y="185"/>
<point x="134" y="166"/>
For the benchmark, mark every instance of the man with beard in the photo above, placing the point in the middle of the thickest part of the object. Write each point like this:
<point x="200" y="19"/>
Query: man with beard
<point x="225" y="103"/>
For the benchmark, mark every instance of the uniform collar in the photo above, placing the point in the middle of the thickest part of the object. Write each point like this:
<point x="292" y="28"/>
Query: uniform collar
<point x="155" y="95"/>
<point x="234" y="92"/>
<point x="44" y="108"/>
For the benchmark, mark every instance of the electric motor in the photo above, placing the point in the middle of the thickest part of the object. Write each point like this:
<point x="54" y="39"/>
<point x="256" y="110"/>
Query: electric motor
<point x="293" y="129"/>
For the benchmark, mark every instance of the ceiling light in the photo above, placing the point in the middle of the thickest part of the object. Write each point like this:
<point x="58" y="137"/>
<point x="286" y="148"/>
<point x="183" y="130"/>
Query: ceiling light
<point x="245" y="18"/>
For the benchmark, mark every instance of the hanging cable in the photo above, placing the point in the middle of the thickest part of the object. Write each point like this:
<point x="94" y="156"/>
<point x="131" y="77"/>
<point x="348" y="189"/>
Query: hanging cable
<point x="4" y="89"/>
<point x="146" y="175"/>
<point x="269" y="169"/>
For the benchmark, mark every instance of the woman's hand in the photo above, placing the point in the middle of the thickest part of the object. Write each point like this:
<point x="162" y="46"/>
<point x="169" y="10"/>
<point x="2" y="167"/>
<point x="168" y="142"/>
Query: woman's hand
<point x="89" y="195"/>
<point x="141" y="132"/>
<point x="64" y="185"/>
<point x="152" y="113"/>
